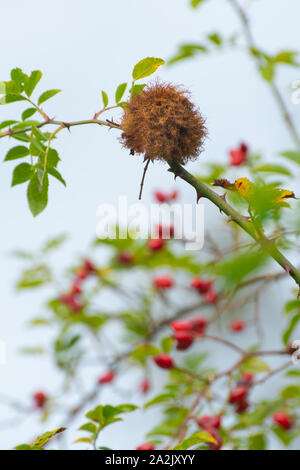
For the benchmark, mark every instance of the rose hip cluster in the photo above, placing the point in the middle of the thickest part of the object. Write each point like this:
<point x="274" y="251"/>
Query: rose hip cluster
<point x="185" y="332"/>
<point x="205" y="288"/>
<point x="239" y="394"/>
<point x="163" y="197"/>
<point x="211" y="424"/>
<point x="238" y="156"/>
<point x="72" y="298"/>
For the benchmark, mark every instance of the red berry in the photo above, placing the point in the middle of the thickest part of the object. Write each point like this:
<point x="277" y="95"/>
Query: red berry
<point x="40" y="399"/>
<point x="179" y="325"/>
<point x="164" y="361"/>
<point x="238" y="325"/>
<point x="247" y="378"/>
<point x="106" y="378"/>
<point x="199" y="324"/>
<point x="244" y="147"/>
<point x="217" y="437"/>
<point x="163" y="282"/>
<point x="242" y="406"/>
<point x="160" y="196"/>
<point x="76" y="288"/>
<point x="146" y="446"/>
<point x="184" y="340"/>
<point x="282" y="419"/>
<point x="165" y="231"/>
<point x="156" y="244"/>
<point x="202" y="286"/>
<point x="89" y="266"/>
<point x="238" y="394"/>
<point x="124" y="257"/>
<point x="71" y="302"/>
<point x="238" y="156"/>
<point x="211" y="297"/>
<point x="207" y="422"/>
<point x="145" y="386"/>
<point x="173" y="195"/>
<point x="81" y="274"/>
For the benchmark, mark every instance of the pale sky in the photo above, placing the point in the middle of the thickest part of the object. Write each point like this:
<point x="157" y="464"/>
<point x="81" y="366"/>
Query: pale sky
<point x="81" y="48"/>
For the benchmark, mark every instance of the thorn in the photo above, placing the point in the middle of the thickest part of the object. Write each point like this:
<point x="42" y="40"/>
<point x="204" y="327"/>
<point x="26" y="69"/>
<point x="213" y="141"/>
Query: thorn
<point x="10" y="132"/>
<point x="230" y="219"/>
<point x="298" y="296"/>
<point x="287" y="268"/>
<point x="223" y="197"/>
<point x="199" y="196"/>
<point x="131" y="152"/>
<point x="67" y="125"/>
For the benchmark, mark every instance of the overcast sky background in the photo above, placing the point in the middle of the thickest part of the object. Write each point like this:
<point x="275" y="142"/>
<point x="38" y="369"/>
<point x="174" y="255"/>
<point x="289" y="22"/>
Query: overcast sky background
<point x="81" y="48"/>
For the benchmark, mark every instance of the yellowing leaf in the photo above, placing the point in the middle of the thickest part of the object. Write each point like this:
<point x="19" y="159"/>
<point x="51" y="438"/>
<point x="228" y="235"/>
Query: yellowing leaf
<point x="146" y="67"/>
<point x="44" y="438"/>
<point x="244" y="187"/>
<point x="285" y="194"/>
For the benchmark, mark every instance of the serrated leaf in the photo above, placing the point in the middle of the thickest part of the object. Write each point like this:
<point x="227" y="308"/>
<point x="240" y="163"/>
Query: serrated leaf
<point x="146" y="67"/>
<point x="120" y="92"/>
<point x="47" y="95"/>
<point x="14" y="153"/>
<point x="22" y="173"/>
<point x="32" y="82"/>
<point x="53" y="172"/>
<point x="257" y="442"/>
<point x="28" y="113"/>
<point x="37" y="196"/>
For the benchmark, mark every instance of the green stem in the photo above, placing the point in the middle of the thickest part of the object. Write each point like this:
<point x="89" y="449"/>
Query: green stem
<point x="267" y="245"/>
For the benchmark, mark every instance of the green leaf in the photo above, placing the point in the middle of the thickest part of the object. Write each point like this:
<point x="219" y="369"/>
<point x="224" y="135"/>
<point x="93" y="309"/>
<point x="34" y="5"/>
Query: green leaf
<point x="89" y="427"/>
<point x="293" y="156"/>
<point x="143" y="351"/>
<point x="257" y="442"/>
<point x="162" y="398"/>
<point x="287" y="57"/>
<point x="28" y="113"/>
<point x="22" y="173"/>
<point x="146" y="67"/>
<point x="37" y="196"/>
<point x="32" y="82"/>
<point x="167" y="344"/>
<point x="283" y="435"/>
<point x="196" y="3"/>
<point x="16" y="152"/>
<point x="196" y="438"/>
<point x="186" y="51"/>
<point x="19" y="77"/>
<point x="272" y="168"/>
<point x="53" y="172"/>
<point x="120" y="92"/>
<point x="254" y="365"/>
<point x="104" y="98"/>
<point x="291" y="391"/>
<point x="47" y="95"/>
<point x="7" y="124"/>
<point x="137" y="89"/>
<point x="215" y="39"/>
<point x="11" y="98"/>
<point x="267" y="71"/>
<point x="292" y="305"/>
<point x="290" y="328"/>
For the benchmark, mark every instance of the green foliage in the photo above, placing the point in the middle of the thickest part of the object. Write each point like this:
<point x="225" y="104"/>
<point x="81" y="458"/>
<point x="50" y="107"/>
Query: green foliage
<point x="146" y="67"/>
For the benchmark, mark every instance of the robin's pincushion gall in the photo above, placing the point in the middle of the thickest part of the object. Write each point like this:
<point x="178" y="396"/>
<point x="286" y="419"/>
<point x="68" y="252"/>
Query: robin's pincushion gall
<point x="163" y="124"/>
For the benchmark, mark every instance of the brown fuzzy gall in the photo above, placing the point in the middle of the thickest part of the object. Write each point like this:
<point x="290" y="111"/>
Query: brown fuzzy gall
<point x="163" y="124"/>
